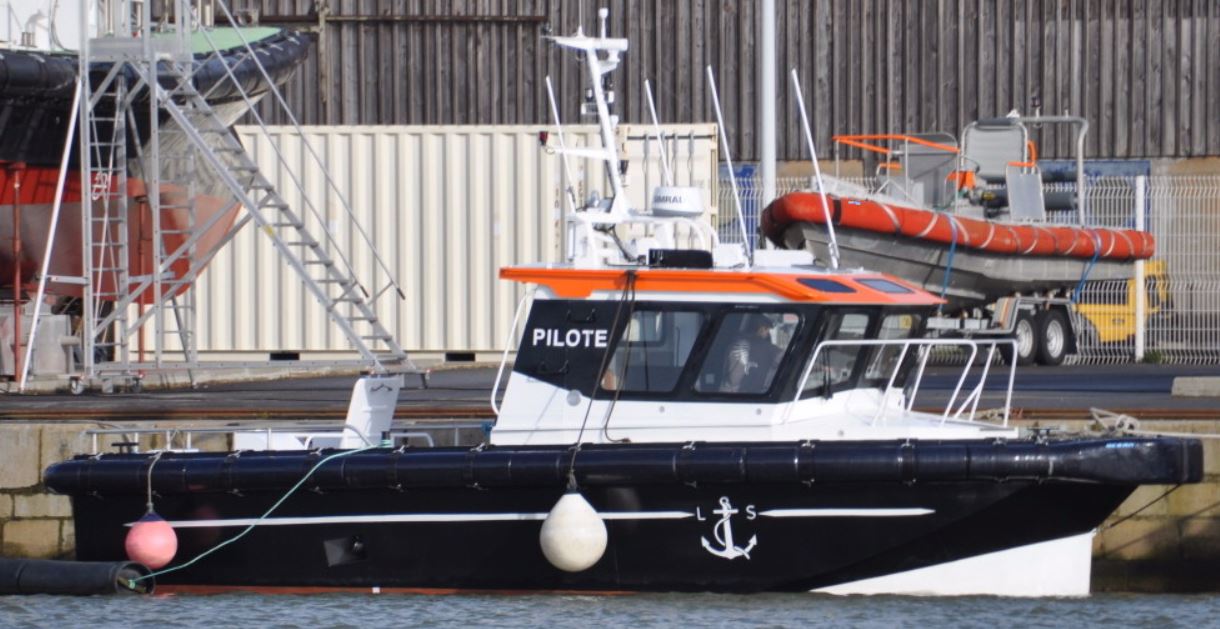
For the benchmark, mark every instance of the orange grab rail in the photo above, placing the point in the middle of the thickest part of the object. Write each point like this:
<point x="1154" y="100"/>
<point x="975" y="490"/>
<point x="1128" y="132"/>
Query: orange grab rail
<point x="1033" y="156"/>
<point x="863" y="142"/>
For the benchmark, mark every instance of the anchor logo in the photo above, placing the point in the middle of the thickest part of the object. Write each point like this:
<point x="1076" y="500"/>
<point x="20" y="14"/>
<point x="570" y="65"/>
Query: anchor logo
<point x="723" y="532"/>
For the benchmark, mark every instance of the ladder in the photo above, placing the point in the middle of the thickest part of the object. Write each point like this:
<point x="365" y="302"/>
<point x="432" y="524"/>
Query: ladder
<point x="331" y="281"/>
<point x="105" y="213"/>
<point x="177" y="170"/>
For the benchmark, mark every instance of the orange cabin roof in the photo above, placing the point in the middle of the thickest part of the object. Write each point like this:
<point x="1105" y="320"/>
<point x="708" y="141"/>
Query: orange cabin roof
<point x="870" y="288"/>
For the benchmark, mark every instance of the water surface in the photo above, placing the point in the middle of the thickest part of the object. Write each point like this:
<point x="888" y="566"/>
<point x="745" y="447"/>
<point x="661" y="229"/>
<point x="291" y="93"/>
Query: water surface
<point x="633" y="610"/>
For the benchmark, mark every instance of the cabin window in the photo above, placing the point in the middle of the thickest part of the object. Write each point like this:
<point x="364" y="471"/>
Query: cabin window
<point x="652" y="351"/>
<point x="893" y="326"/>
<point x="836" y="363"/>
<point x="747" y="351"/>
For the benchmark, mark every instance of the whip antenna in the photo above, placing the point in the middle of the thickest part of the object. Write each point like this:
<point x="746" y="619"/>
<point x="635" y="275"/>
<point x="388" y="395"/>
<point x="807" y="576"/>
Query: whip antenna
<point x="728" y="158"/>
<point x="656" y="127"/>
<point x="833" y="247"/>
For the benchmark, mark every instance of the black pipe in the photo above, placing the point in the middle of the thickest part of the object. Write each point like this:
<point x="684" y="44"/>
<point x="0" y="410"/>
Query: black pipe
<point x="81" y="578"/>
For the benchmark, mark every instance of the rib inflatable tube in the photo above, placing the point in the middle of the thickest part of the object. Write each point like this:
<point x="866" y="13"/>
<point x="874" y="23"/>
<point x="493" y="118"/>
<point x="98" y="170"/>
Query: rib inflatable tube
<point x="82" y="578"/>
<point x="990" y="236"/>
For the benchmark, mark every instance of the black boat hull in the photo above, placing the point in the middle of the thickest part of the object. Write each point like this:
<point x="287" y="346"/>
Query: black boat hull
<point x="802" y="516"/>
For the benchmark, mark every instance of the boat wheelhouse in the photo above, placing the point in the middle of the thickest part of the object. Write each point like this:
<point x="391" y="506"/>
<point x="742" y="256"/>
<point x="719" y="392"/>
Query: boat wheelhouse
<point x="672" y="354"/>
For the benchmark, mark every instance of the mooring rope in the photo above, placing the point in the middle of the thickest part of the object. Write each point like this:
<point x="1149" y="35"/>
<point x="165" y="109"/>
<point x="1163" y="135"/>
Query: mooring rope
<point x="1088" y="267"/>
<point x="131" y="583"/>
<point x="627" y="298"/>
<point x="149" y="494"/>
<point x="1127" y="424"/>
<point x="944" y="287"/>
<point x="1141" y="509"/>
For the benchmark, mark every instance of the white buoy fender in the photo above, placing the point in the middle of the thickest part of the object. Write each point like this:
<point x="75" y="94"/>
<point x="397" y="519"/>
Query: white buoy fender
<point x="573" y="535"/>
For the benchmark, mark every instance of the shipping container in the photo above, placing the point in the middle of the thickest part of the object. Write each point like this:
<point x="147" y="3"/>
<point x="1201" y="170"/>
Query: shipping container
<point x="446" y="207"/>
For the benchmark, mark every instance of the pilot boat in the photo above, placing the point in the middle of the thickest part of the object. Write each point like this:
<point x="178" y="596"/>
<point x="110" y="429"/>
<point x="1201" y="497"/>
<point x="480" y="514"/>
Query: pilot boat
<point x="682" y="414"/>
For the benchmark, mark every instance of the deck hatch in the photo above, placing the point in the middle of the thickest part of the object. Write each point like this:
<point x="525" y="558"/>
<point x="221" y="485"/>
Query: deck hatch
<point x="826" y="285"/>
<point x="885" y="286"/>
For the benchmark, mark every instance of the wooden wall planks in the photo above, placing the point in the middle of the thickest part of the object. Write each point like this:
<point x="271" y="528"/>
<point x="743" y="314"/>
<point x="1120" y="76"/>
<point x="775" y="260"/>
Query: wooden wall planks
<point x="1145" y="73"/>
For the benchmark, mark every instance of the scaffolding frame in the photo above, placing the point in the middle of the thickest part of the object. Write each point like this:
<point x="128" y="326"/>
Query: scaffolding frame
<point x="133" y="56"/>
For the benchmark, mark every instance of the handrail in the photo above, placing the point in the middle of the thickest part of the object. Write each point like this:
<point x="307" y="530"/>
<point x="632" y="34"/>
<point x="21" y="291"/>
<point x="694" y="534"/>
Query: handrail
<point x="308" y="147"/>
<point x="862" y="142"/>
<point x="297" y="183"/>
<point x="495" y="387"/>
<point x="973" y="396"/>
<point x="410" y="429"/>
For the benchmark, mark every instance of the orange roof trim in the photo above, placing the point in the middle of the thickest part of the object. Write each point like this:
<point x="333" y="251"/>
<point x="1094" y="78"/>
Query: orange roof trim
<point x="581" y="283"/>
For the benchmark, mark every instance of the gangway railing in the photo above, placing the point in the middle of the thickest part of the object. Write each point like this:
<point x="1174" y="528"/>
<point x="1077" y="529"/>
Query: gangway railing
<point x="953" y="410"/>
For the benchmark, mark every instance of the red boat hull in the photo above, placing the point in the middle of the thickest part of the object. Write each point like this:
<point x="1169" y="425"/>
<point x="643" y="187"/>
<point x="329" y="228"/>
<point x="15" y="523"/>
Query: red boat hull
<point x="35" y="200"/>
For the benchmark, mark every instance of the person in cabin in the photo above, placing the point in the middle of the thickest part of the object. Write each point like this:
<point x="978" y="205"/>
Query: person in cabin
<point x="752" y="359"/>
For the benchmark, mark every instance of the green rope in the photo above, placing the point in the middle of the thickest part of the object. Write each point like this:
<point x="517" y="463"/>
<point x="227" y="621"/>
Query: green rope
<point x="131" y="583"/>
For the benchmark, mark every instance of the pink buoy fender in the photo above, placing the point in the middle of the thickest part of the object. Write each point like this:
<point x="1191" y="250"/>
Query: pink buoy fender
<point x="152" y="541"/>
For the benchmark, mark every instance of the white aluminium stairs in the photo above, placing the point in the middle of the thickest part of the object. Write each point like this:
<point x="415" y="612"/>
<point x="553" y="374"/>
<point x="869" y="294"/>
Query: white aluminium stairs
<point x="329" y="278"/>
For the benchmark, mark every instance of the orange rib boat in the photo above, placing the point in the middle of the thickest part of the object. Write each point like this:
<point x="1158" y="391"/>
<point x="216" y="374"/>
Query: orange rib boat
<point x="1017" y="239"/>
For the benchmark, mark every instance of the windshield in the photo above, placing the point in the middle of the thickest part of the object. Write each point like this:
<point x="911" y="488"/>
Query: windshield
<point x="746" y="352"/>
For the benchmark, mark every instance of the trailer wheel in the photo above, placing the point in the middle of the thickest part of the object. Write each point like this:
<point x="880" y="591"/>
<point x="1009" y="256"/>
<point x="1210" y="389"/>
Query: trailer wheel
<point x="1052" y="337"/>
<point x="1026" y="333"/>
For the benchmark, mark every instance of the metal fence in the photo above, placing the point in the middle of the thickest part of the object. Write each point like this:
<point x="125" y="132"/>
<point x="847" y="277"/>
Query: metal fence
<point x="1179" y="318"/>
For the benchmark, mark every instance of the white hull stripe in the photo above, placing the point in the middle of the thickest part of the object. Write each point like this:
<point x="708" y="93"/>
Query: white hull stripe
<point x="391" y="518"/>
<point x="845" y="513"/>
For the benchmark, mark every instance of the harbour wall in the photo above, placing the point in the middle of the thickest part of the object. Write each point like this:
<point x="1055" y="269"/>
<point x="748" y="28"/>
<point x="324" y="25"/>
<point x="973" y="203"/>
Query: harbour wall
<point x="1161" y="539"/>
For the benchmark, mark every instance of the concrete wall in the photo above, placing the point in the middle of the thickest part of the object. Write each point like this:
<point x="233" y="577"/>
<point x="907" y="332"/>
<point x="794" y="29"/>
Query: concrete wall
<point x="34" y="523"/>
<point x="1166" y="545"/>
<point x="37" y="524"/>
<point x="1172" y="544"/>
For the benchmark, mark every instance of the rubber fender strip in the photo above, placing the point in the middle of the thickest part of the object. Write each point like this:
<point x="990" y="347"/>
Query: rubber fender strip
<point x="1055" y="248"/>
<point x="1013" y="237"/>
<point x="1040" y="234"/>
<point x="990" y="236"/>
<point x="1075" y="241"/>
<point x="931" y="224"/>
<point x="1130" y="244"/>
<point x="889" y="211"/>
<point x="1147" y="245"/>
<point x="1033" y="239"/>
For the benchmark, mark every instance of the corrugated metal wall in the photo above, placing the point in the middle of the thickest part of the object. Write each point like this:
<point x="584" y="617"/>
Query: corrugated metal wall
<point x="446" y="207"/>
<point x="1145" y="73"/>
